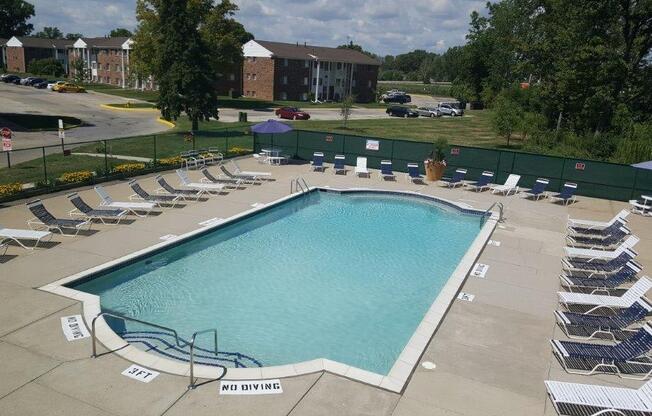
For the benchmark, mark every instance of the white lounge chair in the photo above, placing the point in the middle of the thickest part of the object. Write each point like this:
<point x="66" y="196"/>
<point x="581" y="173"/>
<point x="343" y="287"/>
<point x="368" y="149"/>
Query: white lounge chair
<point x="634" y="293"/>
<point x="597" y="225"/>
<point x="200" y="186"/>
<point x="17" y="235"/>
<point x="133" y="207"/>
<point x="574" y="399"/>
<point x="238" y="171"/>
<point x="574" y="252"/>
<point x="641" y="208"/>
<point x="511" y="185"/>
<point x="361" y="167"/>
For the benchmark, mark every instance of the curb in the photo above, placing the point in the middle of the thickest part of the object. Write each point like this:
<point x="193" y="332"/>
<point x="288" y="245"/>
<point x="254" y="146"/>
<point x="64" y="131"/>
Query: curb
<point x="109" y="107"/>
<point x="165" y="122"/>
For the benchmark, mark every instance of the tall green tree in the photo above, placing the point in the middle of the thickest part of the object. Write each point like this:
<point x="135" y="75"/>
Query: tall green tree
<point x="74" y="36"/>
<point x="120" y="32"/>
<point x="14" y="15"/>
<point x="50" y="32"/>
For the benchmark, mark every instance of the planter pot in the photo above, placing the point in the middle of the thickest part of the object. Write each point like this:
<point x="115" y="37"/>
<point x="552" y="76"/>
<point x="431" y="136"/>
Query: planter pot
<point x="434" y="170"/>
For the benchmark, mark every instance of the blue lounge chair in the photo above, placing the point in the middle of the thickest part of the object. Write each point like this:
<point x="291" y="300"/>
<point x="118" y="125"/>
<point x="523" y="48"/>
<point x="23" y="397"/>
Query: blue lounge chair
<point x="600" y="266"/>
<point x="602" y="242"/>
<point x="567" y="194"/>
<point x="166" y="187"/>
<point x="587" y="326"/>
<point x="141" y="194"/>
<point x="82" y="209"/>
<point x="604" y="283"/>
<point x="538" y="190"/>
<point x="483" y="182"/>
<point x="456" y="179"/>
<point x="229" y="182"/>
<point x="627" y="359"/>
<point x="317" y="161"/>
<point x="386" y="170"/>
<point x="595" y="227"/>
<point x="338" y="165"/>
<point x="413" y="174"/>
<point x="44" y="220"/>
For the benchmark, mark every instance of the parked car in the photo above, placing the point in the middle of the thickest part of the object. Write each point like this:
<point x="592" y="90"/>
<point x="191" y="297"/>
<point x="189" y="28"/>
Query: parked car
<point x="449" y="109"/>
<point x="68" y="87"/>
<point x="10" y="78"/>
<point x="26" y="81"/>
<point x="41" y="85"/>
<point x="34" y="81"/>
<point x="292" y="113"/>
<point x="400" y="111"/>
<point x="51" y="84"/>
<point x="400" y="98"/>
<point x="428" y="112"/>
<point x="18" y="81"/>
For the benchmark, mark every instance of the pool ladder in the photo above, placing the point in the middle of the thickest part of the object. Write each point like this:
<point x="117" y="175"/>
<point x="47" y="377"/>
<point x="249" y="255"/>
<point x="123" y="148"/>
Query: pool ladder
<point x="501" y="208"/>
<point x="299" y="184"/>
<point x="177" y="340"/>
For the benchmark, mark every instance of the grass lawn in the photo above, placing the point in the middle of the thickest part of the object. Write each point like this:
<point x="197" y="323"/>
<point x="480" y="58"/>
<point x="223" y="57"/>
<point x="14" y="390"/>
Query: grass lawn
<point x="38" y="122"/>
<point x="474" y="129"/>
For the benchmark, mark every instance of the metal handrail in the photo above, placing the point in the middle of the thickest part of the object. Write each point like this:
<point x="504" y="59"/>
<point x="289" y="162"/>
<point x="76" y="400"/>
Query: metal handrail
<point x="501" y="207"/>
<point x="297" y="184"/>
<point x="192" y="354"/>
<point x="126" y="318"/>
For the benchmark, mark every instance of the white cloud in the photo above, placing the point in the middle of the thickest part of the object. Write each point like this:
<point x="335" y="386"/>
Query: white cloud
<point x="381" y="26"/>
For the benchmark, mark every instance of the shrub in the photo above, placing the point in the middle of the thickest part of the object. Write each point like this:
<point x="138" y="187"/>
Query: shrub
<point x="73" y="177"/>
<point x="239" y="150"/>
<point x="48" y="66"/>
<point x="10" y="189"/>
<point x="170" y="161"/>
<point x="128" y="167"/>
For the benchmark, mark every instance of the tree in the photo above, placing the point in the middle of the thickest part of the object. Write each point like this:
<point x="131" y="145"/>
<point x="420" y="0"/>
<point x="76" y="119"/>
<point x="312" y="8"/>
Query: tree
<point x="506" y="117"/>
<point x="346" y="106"/>
<point x="120" y="33"/>
<point x="74" y="36"/>
<point x="79" y="70"/>
<point x="356" y="47"/>
<point x="14" y="15"/>
<point x="49" y="66"/>
<point x="49" y="32"/>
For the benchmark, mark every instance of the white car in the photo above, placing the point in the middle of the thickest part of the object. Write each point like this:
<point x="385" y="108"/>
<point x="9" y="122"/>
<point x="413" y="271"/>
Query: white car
<point x="24" y="81"/>
<point x="428" y="112"/>
<point x="450" y="109"/>
<point x="50" y="85"/>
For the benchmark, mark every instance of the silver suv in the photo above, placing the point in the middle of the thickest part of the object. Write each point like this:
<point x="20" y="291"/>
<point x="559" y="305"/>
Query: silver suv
<point x="450" y="109"/>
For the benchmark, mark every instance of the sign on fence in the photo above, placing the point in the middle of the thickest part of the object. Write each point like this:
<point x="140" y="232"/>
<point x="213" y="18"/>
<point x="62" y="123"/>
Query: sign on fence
<point x="580" y="166"/>
<point x="373" y="145"/>
<point x="5" y="133"/>
<point x="455" y="151"/>
<point x="329" y="138"/>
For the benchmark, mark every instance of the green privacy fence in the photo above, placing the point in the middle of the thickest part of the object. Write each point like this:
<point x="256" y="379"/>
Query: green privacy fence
<point x="595" y="179"/>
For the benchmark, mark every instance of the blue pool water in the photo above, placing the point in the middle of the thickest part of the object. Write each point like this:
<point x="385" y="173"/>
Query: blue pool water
<point x="346" y="277"/>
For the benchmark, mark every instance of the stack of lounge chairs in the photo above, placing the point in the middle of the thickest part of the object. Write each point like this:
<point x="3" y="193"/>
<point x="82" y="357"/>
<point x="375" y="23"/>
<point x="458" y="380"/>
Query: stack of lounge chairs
<point x="603" y="313"/>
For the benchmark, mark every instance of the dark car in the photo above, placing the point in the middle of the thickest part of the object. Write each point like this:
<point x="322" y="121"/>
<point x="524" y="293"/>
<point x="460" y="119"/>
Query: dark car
<point x="397" y="98"/>
<point x="42" y="85"/>
<point x="17" y="81"/>
<point x="34" y="81"/>
<point x="398" y="111"/>
<point x="292" y="113"/>
<point x="10" y="78"/>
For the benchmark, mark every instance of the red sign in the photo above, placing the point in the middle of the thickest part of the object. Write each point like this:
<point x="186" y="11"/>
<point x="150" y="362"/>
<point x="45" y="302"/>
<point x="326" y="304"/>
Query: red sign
<point x="5" y="133"/>
<point x="455" y="151"/>
<point x="329" y="138"/>
<point x="579" y="166"/>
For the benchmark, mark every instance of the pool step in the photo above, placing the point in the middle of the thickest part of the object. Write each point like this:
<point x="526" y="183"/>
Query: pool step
<point x="164" y="344"/>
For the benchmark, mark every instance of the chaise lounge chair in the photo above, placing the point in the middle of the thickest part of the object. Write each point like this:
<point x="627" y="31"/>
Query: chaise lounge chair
<point x="596" y="227"/>
<point x="229" y="182"/>
<point x="456" y="179"/>
<point x="84" y="210"/>
<point x="602" y="283"/>
<point x="132" y="207"/>
<point x="641" y="207"/>
<point x="602" y="242"/>
<point x="511" y="185"/>
<point x="598" y="266"/>
<point x="567" y="194"/>
<point x="574" y="399"/>
<point x="413" y="174"/>
<point x="18" y="236"/>
<point x="627" y="359"/>
<point x="587" y="326"/>
<point x="482" y="183"/>
<point x="538" y="190"/>
<point x="159" y="200"/>
<point x="241" y="172"/>
<point x="170" y="190"/>
<point x="590" y="253"/>
<point x="361" y="167"/>
<point x="597" y="302"/>
<point x="317" y="161"/>
<point x="386" y="171"/>
<point x="338" y="164"/>
<point x="200" y="186"/>
<point x="242" y="178"/>
<point x="44" y="220"/>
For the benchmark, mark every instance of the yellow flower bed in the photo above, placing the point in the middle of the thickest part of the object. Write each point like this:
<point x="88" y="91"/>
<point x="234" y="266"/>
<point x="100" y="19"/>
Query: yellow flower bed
<point x="10" y="189"/>
<point x="128" y="167"/>
<point x="72" y="177"/>
<point x="240" y="150"/>
<point x="166" y="161"/>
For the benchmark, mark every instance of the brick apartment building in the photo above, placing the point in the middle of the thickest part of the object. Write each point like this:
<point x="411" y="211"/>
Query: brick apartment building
<point x="286" y="71"/>
<point x="19" y="52"/>
<point x="106" y="59"/>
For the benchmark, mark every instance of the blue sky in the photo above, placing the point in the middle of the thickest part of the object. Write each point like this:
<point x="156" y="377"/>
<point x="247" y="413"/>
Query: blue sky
<point x="382" y="26"/>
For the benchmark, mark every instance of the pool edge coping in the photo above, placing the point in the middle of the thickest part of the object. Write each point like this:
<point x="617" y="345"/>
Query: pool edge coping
<point x="402" y="369"/>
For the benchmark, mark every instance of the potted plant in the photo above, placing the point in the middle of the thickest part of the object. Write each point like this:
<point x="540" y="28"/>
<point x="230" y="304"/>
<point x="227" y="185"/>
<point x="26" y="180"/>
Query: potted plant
<point x="436" y="163"/>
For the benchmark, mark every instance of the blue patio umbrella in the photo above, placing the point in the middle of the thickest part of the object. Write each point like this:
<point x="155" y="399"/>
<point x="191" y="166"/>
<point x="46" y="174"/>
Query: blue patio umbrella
<point x="271" y="127"/>
<point x="644" y="165"/>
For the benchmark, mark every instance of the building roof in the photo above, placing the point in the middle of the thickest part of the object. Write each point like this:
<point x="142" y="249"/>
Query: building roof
<point x="44" y="42"/>
<point x="299" y="51"/>
<point x="109" y="43"/>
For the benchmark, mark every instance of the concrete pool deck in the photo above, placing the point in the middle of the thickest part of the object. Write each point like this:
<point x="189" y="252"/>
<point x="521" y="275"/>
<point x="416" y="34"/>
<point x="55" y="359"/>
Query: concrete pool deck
<point x="491" y="354"/>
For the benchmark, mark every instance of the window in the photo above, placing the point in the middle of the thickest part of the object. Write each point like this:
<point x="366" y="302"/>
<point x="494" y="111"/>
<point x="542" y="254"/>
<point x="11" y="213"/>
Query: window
<point x="249" y="76"/>
<point x="338" y="82"/>
<point x="306" y="63"/>
<point x="314" y="64"/>
<point x="339" y="65"/>
<point x="285" y="61"/>
<point x="284" y="95"/>
<point x="253" y="76"/>
<point x="305" y="80"/>
<point x="117" y="68"/>
<point x="231" y="77"/>
<point x="253" y="93"/>
<point x="107" y="67"/>
<point x="285" y="79"/>
<point x="314" y="81"/>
